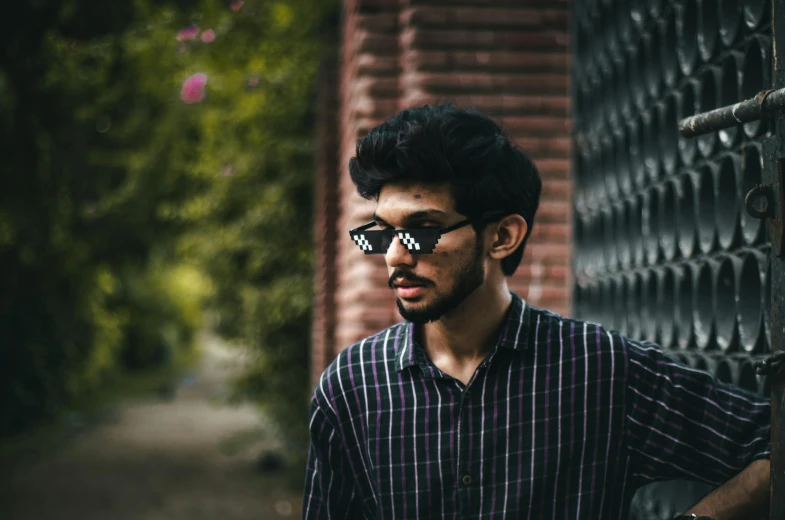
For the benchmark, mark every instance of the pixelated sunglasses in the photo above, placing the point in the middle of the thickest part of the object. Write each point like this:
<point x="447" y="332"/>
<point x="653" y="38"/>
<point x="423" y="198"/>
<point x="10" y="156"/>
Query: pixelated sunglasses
<point x="420" y="241"/>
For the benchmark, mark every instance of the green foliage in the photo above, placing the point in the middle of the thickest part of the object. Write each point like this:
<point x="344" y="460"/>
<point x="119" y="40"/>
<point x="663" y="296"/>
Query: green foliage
<point x="257" y="123"/>
<point x="126" y="212"/>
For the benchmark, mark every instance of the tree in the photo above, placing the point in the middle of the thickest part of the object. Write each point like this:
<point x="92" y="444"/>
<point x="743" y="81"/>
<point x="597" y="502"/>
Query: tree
<point x="130" y="193"/>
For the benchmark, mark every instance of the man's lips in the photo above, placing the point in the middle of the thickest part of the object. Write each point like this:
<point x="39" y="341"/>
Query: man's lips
<point x="409" y="291"/>
<point x="407" y="284"/>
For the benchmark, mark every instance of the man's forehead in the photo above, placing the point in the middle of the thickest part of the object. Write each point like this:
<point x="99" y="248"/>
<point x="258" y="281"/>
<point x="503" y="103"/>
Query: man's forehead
<point x="409" y="198"/>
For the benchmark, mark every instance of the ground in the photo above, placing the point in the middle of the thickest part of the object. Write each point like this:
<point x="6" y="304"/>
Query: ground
<point x="184" y="454"/>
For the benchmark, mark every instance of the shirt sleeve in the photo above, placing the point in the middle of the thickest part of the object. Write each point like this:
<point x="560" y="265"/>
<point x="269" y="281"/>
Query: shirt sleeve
<point x="682" y="423"/>
<point x="329" y="490"/>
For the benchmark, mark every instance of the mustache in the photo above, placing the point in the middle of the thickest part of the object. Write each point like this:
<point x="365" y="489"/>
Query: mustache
<point x="408" y="277"/>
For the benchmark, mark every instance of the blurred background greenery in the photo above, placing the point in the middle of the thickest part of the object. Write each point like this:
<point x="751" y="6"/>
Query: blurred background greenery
<point x="156" y="168"/>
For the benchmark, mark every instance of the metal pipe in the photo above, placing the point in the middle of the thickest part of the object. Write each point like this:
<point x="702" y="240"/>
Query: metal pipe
<point x="622" y="239"/>
<point x="638" y="13"/>
<point x="667" y="114"/>
<point x="594" y="311"/>
<point x="687" y="35"/>
<point x="705" y="363"/>
<point x="765" y="104"/>
<point x="579" y="299"/>
<point x="730" y="94"/>
<point x="607" y="291"/>
<point x="685" y="304"/>
<point x="655" y="8"/>
<point x="689" y="93"/>
<point x="730" y="21"/>
<point x="637" y="147"/>
<point x="726" y="312"/>
<point x="579" y="238"/>
<point x="709" y="100"/>
<point x="624" y="25"/>
<point x="728" y="204"/>
<point x="623" y="175"/>
<point x="708" y="33"/>
<point x="688" y="213"/>
<point x="590" y="251"/>
<point x="623" y="98"/>
<point x="635" y="72"/>
<point x="650" y="225"/>
<point x="668" y="205"/>
<point x="634" y="292"/>
<point x="596" y="185"/>
<point x="748" y="379"/>
<point x="635" y="230"/>
<point x="750" y="292"/>
<point x="620" y="306"/>
<point x="755" y="12"/>
<point x="728" y="371"/>
<point x="764" y="386"/>
<point x="609" y="167"/>
<point x="706" y="197"/>
<point x="598" y="242"/>
<point x="668" y="55"/>
<point x="649" y="328"/>
<point x="608" y="21"/>
<point x="579" y="167"/>
<point x="703" y="306"/>
<point x="652" y="70"/>
<point x="611" y="259"/>
<point x="651" y="141"/>
<point x="756" y="77"/>
<point x="666" y="306"/>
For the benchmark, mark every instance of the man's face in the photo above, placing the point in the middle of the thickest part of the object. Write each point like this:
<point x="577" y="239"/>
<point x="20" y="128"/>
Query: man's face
<point x="431" y="285"/>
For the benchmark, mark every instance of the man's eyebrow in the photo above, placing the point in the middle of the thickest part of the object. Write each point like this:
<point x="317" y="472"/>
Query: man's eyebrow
<point x="413" y="218"/>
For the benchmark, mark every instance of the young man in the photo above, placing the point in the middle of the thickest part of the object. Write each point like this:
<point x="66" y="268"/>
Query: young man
<point x="479" y="405"/>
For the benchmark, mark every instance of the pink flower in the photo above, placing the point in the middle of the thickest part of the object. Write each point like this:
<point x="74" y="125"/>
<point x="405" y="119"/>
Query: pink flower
<point x="193" y="89"/>
<point x="236" y="5"/>
<point x="253" y="81"/>
<point x="189" y="33"/>
<point x="208" y="36"/>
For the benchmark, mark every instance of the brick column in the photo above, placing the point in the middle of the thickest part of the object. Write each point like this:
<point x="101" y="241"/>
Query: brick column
<point x="507" y="58"/>
<point x="325" y="211"/>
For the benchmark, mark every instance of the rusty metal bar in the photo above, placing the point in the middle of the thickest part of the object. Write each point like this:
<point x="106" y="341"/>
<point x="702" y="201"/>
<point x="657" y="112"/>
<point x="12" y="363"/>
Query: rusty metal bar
<point x="768" y="103"/>
<point x="774" y="174"/>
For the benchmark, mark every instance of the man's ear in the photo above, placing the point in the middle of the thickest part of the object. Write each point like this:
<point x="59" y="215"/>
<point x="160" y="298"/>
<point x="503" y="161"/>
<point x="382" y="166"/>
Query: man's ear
<point x="509" y="234"/>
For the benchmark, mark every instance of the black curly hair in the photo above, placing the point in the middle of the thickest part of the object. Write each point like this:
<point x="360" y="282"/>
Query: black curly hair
<point x="461" y="147"/>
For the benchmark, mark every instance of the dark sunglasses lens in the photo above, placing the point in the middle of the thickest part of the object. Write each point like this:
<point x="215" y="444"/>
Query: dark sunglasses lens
<point x="420" y="241"/>
<point x="372" y="242"/>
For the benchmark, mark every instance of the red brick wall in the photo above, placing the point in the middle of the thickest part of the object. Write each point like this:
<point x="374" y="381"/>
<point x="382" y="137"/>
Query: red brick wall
<point x="508" y="58"/>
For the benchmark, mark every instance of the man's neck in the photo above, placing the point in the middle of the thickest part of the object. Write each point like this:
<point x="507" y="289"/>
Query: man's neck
<point x="469" y="333"/>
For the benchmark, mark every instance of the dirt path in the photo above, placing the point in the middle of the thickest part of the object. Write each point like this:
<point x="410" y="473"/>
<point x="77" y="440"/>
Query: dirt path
<point x="187" y="457"/>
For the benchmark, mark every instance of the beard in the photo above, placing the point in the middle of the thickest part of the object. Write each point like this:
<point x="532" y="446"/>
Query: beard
<point x="468" y="278"/>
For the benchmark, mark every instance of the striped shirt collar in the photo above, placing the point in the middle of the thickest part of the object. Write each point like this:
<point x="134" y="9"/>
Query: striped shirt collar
<point x="512" y="336"/>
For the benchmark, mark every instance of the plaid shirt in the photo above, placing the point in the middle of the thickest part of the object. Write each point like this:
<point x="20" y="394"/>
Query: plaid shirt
<point x="563" y="420"/>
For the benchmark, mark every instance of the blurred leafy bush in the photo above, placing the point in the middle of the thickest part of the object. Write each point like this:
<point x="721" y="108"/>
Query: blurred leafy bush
<point x="133" y="198"/>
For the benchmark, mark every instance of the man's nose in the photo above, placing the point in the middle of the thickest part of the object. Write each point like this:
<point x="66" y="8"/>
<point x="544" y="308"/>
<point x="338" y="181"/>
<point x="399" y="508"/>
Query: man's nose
<point x="397" y="253"/>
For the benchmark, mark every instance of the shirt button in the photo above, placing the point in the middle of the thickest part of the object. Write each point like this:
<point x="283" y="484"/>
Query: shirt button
<point x="466" y="479"/>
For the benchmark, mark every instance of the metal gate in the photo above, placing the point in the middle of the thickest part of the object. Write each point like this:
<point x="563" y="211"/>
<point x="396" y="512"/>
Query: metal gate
<point x="664" y="249"/>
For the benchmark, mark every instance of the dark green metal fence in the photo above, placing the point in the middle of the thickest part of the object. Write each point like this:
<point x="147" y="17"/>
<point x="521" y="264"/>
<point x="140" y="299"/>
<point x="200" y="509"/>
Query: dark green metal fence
<point x="664" y="248"/>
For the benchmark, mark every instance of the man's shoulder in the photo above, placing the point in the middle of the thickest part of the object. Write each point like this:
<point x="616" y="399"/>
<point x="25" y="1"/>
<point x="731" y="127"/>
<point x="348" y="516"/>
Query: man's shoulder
<point x="362" y="361"/>
<point x="584" y="333"/>
<point x="376" y="348"/>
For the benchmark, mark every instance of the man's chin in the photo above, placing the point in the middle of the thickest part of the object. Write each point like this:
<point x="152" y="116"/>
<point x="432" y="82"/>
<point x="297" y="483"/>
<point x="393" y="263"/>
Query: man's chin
<point x="416" y="313"/>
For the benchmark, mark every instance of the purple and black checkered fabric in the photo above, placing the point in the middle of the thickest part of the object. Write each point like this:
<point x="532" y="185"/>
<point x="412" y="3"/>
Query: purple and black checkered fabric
<point x="563" y="420"/>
